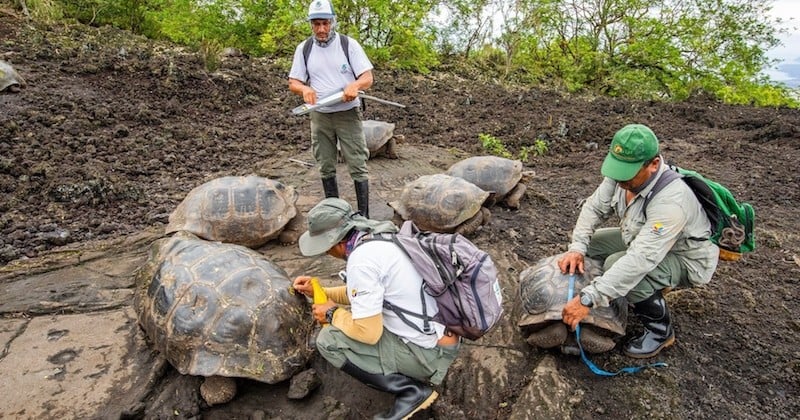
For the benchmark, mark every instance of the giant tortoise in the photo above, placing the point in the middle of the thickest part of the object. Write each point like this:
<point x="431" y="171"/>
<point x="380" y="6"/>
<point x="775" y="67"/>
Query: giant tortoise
<point x="543" y="291"/>
<point x="443" y="203"/>
<point x="380" y="138"/>
<point x="221" y="311"/>
<point x="502" y="178"/>
<point x="9" y="78"/>
<point x="244" y="210"/>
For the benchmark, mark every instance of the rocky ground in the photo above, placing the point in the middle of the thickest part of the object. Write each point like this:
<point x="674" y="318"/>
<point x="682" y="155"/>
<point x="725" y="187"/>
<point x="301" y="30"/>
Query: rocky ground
<point x="113" y="130"/>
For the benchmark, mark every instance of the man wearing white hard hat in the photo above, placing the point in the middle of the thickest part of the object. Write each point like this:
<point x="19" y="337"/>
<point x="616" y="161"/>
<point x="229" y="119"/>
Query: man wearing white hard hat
<point x="323" y="66"/>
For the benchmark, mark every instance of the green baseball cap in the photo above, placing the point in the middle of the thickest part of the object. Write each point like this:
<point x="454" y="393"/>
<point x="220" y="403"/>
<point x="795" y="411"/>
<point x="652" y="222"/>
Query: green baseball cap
<point x="632" y="146"/>
<point x="328" y="223"/>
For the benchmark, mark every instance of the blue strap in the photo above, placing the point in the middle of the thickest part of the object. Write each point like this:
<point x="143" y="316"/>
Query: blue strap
<point x="596" y="370"/>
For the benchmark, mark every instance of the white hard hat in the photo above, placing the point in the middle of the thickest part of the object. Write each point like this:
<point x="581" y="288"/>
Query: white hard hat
<point x="320" y="9"/>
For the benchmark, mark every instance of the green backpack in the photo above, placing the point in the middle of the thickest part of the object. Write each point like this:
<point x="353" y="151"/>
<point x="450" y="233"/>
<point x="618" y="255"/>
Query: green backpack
<point x="731" y="222"/>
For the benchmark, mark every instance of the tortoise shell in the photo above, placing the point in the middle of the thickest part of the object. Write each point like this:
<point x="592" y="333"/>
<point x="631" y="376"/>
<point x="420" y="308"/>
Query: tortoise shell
<point x="245" y="210"/>
<point x="439" y="203"/>
<point x="490" y="173"/>
<point x="377" y="134"/>
<point x="218" y="309"/>
<point x="543" y="292"/>
<point x="9" y="78"/>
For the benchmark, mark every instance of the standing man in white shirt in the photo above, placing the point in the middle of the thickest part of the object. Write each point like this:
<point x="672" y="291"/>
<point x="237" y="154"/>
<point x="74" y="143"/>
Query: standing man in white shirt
<point x="324" y="65"/>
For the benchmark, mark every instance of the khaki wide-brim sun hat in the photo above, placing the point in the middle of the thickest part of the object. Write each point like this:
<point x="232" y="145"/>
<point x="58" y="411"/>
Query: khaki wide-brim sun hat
<point x="328" y="223"/>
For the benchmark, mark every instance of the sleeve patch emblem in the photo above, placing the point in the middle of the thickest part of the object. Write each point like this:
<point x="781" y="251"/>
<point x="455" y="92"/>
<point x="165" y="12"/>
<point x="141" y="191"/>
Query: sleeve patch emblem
<point x="356" y="293"/>
<point x="658" y="228"/>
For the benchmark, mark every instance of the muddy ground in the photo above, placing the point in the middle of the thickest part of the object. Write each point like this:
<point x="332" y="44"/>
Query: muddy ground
<point x="113" y="131"/>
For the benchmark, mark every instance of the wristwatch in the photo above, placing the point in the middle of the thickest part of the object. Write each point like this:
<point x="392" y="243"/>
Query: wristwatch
<point x="329" y="314"/>
<point x="586" y="300"/>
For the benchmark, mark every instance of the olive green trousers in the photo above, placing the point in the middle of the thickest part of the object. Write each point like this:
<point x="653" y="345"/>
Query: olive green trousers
<point x="607" y="246"/>
<point x="389" y="355"/>
<point x="345" y="128"/>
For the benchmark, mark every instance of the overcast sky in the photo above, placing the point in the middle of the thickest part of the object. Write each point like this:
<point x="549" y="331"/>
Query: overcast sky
<point x="788" y="71"/>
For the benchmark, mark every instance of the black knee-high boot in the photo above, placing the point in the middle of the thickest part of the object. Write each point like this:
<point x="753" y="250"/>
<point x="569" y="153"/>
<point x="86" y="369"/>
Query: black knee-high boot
<point x="411" y="395"/>
<point x="330" y="188"/>
<point x="362" y="197"/>
<point x="658" y="333"/>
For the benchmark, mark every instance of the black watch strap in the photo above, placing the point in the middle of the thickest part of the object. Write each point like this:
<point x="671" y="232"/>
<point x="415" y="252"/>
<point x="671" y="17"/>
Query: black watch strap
<point x="329" y="314"/>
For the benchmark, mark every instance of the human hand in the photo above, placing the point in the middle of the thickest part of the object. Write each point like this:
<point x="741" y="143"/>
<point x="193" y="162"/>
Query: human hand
<point x="574" y="312"/>
<point x="302" y="284"/>
<point x="309" y="96"/>
<point x="319" y="310"/>
<point x="570" y="262"/>
<point x="350" y="92"/>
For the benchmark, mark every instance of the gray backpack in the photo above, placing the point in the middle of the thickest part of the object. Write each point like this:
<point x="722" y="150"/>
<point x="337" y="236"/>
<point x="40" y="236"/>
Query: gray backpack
<point x="459" y="275"/>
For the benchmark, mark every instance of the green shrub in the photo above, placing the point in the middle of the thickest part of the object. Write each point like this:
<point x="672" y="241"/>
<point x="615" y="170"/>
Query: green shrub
<point x="539" y="148"/>
<point x="493" y="145"/>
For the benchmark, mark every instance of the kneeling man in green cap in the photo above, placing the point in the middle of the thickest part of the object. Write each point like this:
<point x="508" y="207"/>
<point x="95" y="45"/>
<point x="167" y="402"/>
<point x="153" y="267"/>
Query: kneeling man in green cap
<point x="371" y="342"/>
<point x="661" y="247"/>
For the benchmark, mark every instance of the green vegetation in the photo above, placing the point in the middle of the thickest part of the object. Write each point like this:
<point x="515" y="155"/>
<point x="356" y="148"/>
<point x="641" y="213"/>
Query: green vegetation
<point x="539" y="148"/>
<point x="493" y="145"/>
<point x="642" y="49"/>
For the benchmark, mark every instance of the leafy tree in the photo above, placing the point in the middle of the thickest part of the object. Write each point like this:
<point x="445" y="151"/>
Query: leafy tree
<point x="646" y="49"/>
<point x="462" y="26"/>
<point x="286" y="28"/>
<point x="125" y="14"/>
<point x="650" y="49"/>
<point x="392" y="32"/>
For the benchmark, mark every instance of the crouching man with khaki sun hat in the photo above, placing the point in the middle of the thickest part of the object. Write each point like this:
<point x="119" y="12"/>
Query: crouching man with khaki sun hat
<point x="368" y="341"/>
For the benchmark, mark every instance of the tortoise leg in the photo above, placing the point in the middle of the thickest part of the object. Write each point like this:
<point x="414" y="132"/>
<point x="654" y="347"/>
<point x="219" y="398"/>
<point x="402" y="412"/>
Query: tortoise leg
<point x="292" y="231"/>
<point x="548" y="337"/>
<point x="472" y="224"/>
<point x="593" y="342"/>
<point x="218" y="389"/>
<point x="487" y="215"/>
<point x="515" y="195"/>
<point x="491" y="199"/>
<point x="391" y="149"/>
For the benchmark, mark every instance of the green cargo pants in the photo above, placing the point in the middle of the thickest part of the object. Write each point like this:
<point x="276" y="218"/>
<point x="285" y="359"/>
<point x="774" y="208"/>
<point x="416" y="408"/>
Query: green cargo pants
<point x="607" y="245"/>
<point x="389" y="355"/>
<point x="346" y="127"/>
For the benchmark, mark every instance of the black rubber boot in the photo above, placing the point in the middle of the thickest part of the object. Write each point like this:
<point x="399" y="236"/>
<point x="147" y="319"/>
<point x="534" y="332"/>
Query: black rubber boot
<point x="658" y="333"/>
<point x="411" y="395"/>
<point x="330" y="188"/>
<point x="362" y="196"/>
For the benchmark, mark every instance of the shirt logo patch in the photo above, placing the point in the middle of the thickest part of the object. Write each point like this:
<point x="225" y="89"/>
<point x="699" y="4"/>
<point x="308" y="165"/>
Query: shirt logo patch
<point x="344" y="69"/>
<point x="658" y="228"/>
<point x="355" y="293"/>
